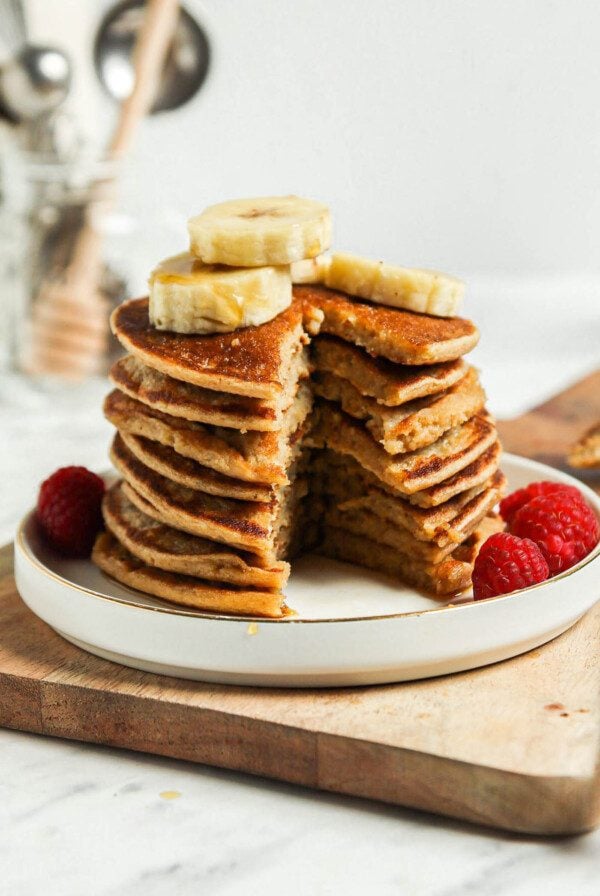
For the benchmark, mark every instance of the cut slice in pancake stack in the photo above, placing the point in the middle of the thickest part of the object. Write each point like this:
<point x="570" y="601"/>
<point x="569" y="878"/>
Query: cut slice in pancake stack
<point x="349" y="425"/>
<point x="405" y="462"/>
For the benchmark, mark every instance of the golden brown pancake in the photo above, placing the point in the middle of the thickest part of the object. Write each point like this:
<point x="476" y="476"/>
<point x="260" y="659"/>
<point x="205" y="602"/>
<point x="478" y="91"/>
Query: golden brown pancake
<point x="252" y="456"/>
<point x="412" y="425"/>
<point x="415" y="470"/>
<point x="252" y="361"/>
<point x="586" y="453"/>
<point x="286" y="519"/>
<point x="388" y="383"/>
<point x="156" y="544"/>
<point x="476" y="472"/>
<point x="342" y="482"/>
<point x="382" y="518"/>
<point x="448" y="523"/>
<point x="116" y="561"/>
<point x="243" y="524"/>
<point x="189" y="472"/>
<point x="343" y="477"/>
<point x="194" y="403"/>
<point x="400" y="336"/>
<point x="450" y="576"/>
<point x="360" y="521"/>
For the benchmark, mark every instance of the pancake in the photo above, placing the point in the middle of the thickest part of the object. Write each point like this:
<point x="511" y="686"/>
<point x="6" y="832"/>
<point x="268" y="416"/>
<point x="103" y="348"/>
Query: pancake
<point x="156" y="544"/>
<point x="344" y="483"/>
<point x="243" y="524"/>
<point x="194" y="403"/>
<point x="382" y="518"/>
<point x="286" y="519"/>
<point x="388" y="383"/>
<point x="253" y="361"/>
<point x="253" y="456"/>
<point x="189" y="472"/>
<point x="586" y="453"/>
<point x="341" y="476"/>
<point x="475" y="473"/>
<point x="450" y="576"/>
<point x="116" y="561"/>
<point x="412" y="425"/>
<point x="400" y="336"/>
<point x="360" y="521"/>
<point x="448" y="523"/>
<point x="415" y="470"/>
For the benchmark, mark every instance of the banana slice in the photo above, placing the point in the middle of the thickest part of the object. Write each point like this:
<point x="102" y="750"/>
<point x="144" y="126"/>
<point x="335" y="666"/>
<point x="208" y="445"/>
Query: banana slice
<point x="271" y="230"/>
<point x="311" y="270"/>
<point x="428" y="292"/>
<point x="188" y="296"/>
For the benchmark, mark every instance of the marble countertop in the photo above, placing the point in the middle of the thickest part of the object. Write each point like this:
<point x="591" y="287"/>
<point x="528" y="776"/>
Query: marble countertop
<point x="77" y="818"/>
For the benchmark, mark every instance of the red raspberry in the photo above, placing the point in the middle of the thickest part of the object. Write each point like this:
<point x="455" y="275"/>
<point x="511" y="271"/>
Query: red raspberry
<point x="506" y="563"/>
<point x="512" y="503"/>
<point x="68" y="510"/>
<point x="564" y="528"/>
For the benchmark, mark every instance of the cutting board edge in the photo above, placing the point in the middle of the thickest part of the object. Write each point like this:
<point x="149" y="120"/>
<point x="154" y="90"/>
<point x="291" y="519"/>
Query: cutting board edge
<point x="554" y="805"/>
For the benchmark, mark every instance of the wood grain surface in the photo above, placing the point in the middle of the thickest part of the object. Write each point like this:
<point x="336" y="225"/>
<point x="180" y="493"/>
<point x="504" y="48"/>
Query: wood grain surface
<point x="515" y="745"/>
<point x="547" y="432"/>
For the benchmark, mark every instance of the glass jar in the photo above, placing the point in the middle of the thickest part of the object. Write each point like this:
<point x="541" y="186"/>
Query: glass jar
<point x="56" y="274"/>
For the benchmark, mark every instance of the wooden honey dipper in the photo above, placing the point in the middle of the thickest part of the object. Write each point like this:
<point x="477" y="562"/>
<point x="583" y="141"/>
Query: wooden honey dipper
<point x="69" y="330"/>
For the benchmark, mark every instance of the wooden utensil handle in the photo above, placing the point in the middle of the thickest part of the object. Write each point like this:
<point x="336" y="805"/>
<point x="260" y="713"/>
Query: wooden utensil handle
<point x="151" y="49"/>
<point x="150" y="53"/>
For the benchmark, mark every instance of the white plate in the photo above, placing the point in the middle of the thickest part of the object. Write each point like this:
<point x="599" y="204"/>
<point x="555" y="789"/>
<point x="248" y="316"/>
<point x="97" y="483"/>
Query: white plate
<point x="354" y="627"/>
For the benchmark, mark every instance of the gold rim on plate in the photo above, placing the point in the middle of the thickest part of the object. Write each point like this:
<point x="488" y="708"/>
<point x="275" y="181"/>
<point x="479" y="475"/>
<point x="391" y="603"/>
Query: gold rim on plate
<point x="23" y="544"/>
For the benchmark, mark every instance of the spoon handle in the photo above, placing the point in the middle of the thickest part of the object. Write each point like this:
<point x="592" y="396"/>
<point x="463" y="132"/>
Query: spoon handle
<point x="152" y="45"/>
<point x="150" y="53"/>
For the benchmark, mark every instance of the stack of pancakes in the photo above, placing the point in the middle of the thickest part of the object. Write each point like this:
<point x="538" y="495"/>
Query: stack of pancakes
<point x="209" y="445"/>
<point x="406" y="466"/>
<point x="228" y="471"/>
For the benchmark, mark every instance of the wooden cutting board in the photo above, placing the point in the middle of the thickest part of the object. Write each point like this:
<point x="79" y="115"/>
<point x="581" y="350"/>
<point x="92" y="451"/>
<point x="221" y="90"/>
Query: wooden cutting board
<point x="515" y="745"/>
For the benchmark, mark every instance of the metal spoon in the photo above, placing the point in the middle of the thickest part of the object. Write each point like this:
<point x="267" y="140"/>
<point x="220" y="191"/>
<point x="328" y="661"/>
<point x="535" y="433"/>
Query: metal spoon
<point x="34" y="82"/>
<point x="186" y="67"/>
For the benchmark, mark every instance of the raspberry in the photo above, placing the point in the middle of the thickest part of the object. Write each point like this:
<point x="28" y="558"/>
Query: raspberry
<point x="512" y="503"/>
<point x="68" y="510"/>
<point x="506" y="563"/>
<point x="564" y="528"/>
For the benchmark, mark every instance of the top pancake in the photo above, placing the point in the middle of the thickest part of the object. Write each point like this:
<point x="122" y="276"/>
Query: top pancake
<point x="400" y="336"/>
<point x="256" y="361"/>
<point x="252" y="361"/>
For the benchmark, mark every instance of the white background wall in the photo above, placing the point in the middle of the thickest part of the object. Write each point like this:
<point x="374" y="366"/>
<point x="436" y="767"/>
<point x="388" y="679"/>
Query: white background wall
<point x="461" y="134"/>
<point x="456" y="134"/>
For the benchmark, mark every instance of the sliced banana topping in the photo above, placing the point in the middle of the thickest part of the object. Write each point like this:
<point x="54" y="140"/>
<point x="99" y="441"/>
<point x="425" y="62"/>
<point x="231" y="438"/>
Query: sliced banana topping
<point x="188" y="296"/>
<point x="428" y="292"/>
<point x="311" y="270"/>
<point x="272" y="230"/>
